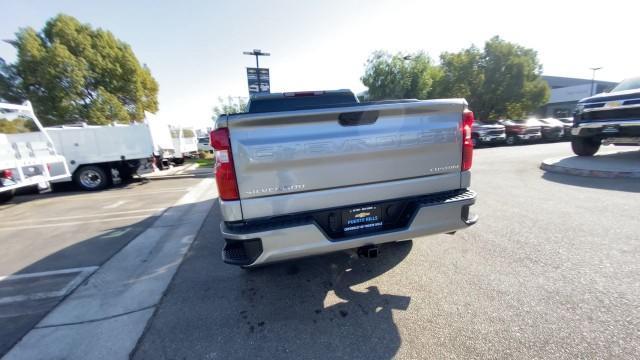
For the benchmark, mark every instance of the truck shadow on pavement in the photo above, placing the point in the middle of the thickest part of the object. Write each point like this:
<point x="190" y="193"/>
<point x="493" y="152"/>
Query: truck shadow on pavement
<point x="319" y="307"/>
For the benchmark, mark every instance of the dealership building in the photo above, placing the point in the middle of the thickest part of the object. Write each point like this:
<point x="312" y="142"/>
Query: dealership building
<point x="565" y="93"/>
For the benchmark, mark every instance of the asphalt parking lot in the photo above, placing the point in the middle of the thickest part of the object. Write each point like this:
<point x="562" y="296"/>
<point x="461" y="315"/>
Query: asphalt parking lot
<point x="550" y="271"/>
<point x="52" y="242"/>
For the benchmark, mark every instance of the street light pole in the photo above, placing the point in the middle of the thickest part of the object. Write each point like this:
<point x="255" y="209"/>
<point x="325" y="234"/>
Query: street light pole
<point x="593" y="77"/>
<point x="257" y="53"/>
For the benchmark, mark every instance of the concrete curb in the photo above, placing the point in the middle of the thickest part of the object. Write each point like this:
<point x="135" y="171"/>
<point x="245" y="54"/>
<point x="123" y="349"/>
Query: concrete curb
<point x="551" y="165"/>
<point x="106" y="315"/>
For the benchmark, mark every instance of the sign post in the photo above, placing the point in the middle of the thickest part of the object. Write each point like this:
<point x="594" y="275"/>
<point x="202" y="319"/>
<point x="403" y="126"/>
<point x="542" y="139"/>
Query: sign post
<point x="258" y="80"/>
<point x="261" y="75"/>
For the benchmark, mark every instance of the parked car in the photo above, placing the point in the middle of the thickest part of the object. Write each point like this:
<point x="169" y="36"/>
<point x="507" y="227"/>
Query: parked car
<point x="521" y="130"/>
<point x="568" y="124"/>
<point x="28" y="157"/>
<point x="607" y="118"/>
<point x="487" y="133"/>
<point x="552" y="129"/>
<point x="310" y="173"/>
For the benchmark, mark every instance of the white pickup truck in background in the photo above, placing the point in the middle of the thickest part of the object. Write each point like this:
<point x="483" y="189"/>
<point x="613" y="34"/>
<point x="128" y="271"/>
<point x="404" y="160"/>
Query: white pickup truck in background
<point x="28" y="157"/>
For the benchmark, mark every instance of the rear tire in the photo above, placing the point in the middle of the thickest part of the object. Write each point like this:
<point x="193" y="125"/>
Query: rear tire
<point x="178" y="161"/>
<point x="585" y="146"/>
<point x="511" y="140"/>
<point x="91" y="178"/>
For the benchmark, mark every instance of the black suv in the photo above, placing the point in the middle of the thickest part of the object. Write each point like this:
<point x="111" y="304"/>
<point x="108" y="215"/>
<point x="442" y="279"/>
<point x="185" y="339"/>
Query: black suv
<point x="607" y="118"/>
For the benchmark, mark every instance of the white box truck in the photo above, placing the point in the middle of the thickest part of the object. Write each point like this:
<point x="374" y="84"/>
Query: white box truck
<point x="185" y="143"/>
<point x="99" y="155"/>
<point x="163" y="148"/>
<point x="28" y="157"/>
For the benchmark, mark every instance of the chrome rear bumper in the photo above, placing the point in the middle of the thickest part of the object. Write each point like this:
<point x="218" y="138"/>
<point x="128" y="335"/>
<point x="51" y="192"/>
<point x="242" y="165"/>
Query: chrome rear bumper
<point x="285" y="241"/>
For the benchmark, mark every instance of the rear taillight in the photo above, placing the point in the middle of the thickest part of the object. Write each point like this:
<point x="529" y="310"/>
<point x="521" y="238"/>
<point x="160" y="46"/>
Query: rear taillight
<point x="6" y="174"/>
<point x="467" y="144"/>
<point x="225" y="173"/>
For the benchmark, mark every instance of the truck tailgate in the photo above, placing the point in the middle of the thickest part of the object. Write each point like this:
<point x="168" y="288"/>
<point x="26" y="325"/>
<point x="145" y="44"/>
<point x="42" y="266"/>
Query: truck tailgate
<point x="328" y="149"/>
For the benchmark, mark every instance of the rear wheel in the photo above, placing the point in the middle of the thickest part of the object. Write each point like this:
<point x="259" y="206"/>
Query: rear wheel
<point x="511" y="140"/>
<point x="178" y="161"/>
<point x="91" y="178"/>
<point x="585" y="146"/>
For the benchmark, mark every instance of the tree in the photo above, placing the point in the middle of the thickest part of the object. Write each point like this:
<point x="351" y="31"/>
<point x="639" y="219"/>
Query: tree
<point x="230" y="105"/>
<point x="512" y="86"/>
<point x="72" y="72"/>
<point x="502" y="81"/>
<point x="399" y="77"/>
<point x="10" y="90"/>
<point x="462" y="75"/>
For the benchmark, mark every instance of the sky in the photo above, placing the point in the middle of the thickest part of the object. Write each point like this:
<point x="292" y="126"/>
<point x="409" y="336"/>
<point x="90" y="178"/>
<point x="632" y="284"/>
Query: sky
<point x="194" y="48"/>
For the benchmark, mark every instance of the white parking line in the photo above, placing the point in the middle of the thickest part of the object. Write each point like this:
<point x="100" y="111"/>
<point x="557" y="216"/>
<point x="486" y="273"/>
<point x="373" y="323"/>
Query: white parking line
<point x="46" y="273"/>
<point x="116" y="233"/>
<point x="102" y="196"/>
<point x="72" y="223"/>
<point x="83" y="272"/>
<point x="115" y="204"/>
<point x="37" y="222"/>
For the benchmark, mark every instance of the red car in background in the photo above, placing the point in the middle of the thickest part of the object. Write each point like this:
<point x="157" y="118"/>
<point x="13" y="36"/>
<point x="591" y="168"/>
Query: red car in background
<point x="518" y="131"/>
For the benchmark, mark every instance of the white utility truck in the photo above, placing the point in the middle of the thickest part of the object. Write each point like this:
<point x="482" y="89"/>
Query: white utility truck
<point x="99" y="155"/>
<point x="163" y="148"/>
<point x="28" y="157"/>
<point x="185" y="143"/>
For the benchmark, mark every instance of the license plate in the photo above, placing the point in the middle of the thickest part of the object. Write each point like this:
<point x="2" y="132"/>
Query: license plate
<point x="362" y="218"/>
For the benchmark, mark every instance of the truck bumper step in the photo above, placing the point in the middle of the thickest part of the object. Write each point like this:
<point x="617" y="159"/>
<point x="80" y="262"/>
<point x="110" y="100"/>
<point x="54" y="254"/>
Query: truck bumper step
<point x="300" y="237"/>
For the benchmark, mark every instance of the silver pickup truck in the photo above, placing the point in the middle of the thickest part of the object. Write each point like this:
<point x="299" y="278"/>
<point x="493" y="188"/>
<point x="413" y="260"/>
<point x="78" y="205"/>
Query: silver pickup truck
<point x="309" y="173"/>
